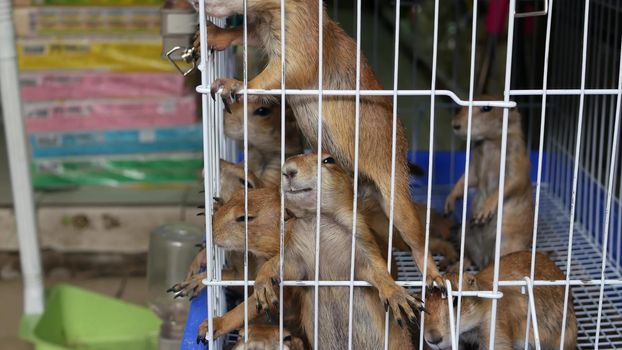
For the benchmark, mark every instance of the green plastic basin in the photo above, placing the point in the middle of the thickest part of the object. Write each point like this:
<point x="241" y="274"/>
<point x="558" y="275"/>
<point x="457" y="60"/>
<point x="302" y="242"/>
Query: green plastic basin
<point x="78" y="319"/>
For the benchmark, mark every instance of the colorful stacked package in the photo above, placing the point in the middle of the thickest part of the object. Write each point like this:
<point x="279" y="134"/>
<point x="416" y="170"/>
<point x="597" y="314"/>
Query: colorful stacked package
<point x="100" y="104"/>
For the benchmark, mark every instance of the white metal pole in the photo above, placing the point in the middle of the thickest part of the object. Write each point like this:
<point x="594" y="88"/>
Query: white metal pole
<point x="19" y="165"/>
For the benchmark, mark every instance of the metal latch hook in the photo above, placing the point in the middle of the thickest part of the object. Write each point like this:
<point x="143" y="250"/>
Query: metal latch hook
<point x="188" y="56"/>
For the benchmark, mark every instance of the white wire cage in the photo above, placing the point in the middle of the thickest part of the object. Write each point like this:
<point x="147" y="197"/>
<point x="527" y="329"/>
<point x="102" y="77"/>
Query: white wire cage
<point x="572" y="109"/>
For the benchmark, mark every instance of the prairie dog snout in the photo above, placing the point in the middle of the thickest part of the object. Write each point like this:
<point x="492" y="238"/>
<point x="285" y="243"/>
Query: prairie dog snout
<point x="300" y="184"/>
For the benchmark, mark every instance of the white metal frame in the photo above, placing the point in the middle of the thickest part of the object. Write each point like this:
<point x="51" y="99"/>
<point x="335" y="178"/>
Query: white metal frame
<point x="19" y="164"/>
<point x="212" y="66"/>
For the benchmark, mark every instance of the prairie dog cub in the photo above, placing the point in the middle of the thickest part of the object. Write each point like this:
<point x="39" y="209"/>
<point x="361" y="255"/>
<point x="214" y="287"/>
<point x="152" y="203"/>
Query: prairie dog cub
<point x="339" y="69"/>
<point x="511" y="309"/>
<point x="264" y="137"/>
<point x="231" y="179"/>
<point x="299" y="174"/>
<point x="299" y="178"/>
<point x="518" y="207"/>
<point x="266" y="337"/>
<point x="263" y="242"/>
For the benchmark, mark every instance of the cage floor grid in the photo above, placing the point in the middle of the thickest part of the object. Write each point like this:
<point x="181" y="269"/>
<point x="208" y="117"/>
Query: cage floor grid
<point x="586" y="263"/>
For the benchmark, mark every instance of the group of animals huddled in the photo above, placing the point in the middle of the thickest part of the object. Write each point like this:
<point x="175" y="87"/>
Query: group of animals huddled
<point x="297" y="179"/>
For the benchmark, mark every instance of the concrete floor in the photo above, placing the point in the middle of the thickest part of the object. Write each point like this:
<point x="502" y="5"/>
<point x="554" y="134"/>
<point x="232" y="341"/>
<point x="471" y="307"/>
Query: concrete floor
<point x="11" y="301"/>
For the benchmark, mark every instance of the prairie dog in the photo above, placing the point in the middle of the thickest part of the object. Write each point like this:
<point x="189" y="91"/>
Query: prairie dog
<point x="232" y="179"/>
<point x="266" y="337"/>
<point x="299" y="179"/>
<point x="339" y="69"/>
<point x="518" y="207"/>
<point x="511" y="309"/>
<point x="264" y="137"/>
<point x="263" y="242"/>
<point x="335" y="242"/>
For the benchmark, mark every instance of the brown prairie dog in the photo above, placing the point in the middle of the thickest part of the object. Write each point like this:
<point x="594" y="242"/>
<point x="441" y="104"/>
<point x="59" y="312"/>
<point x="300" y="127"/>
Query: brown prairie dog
<point x="264" y="137"/>
<point x="266" y="337"/>
<point x="518" y="207"/>
<point x="231" y="180"/>
<point x="511" y="309"/>
<point x="299" y="263"/>
<point x="339" y="69"/>
<point x="299" y="178"/>
<point x="263" y="242"/>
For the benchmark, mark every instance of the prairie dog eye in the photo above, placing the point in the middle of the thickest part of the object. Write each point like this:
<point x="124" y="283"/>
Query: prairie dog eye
<point x="241" y="218"/>
<point x="250" y="184"/>
<point x="329" y="160"/>
<point x="486" y="109"/>
<point x="262" y="111"/>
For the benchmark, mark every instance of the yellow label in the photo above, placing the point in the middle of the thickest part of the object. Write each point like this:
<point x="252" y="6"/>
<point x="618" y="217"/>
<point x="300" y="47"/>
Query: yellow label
<point x="118" y="55"/>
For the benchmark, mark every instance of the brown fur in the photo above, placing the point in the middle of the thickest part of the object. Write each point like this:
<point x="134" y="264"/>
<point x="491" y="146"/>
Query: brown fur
<point x="266" y="337"/>
<point x="518" y="207"/>
<point x="231" y="180"/>
<point x="335" y="243"/>
<point x="263" y="243"/>
<point x="339" y="111"/>
<point x="264" y="137"/>
<point x="511" y="309"/>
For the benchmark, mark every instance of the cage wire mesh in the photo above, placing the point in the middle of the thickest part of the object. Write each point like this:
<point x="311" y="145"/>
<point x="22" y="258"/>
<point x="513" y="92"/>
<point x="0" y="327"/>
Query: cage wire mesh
<point x="561" y="64"/>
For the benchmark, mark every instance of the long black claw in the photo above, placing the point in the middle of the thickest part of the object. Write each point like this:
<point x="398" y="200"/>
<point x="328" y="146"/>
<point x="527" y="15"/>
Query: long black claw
<point x="399" y="322"/>
<point x="172" y="289"/>
<point x="178" y="295"/>
<point x="386" y="306"/>
<point x="200" y="214"/>
<point x="275" y="282"/>
<point x="258" y="307"/>
<point x="421" y="308"/>
<point x="202" y="206"/>
<point x="204" y="341"/>
<point x="199" y="339"/>
<point x="213" y="94"/>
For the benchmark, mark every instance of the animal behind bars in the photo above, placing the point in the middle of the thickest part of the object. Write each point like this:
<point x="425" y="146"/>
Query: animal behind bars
<point x="336" y="224"/>
<point x="338" y="113"/>
<point x="512" y="308"/>
<point x="518" y="207"/>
